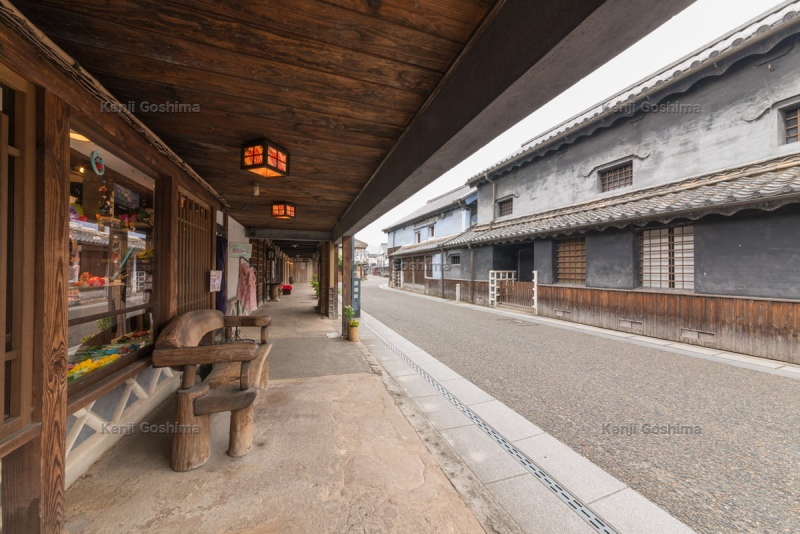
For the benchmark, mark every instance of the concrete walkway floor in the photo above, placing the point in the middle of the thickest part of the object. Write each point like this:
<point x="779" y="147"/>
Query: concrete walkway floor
<point x="333" y="453"/>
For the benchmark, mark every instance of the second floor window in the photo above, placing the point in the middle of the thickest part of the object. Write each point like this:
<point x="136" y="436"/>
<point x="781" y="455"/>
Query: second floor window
<point x="505" y="207"/>
<point x="616" y="178"/>
<point x="430" y="233"/>
<point x="792" y="119"/>
<point x="417" y="237"/>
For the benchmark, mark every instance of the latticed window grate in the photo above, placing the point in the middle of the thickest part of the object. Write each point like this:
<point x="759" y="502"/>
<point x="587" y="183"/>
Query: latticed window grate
<point x="455" y="259"/>
<point x="428" y="267"/>
<point x="617" y="178"/>
<point x="792" y="120"/>
<point x="667" y="258"/>
<point x="572" y="261"/>
<point x="505" y="207"/>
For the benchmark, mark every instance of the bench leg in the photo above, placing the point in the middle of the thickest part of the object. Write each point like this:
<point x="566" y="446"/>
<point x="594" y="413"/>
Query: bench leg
<point x="191" y="444"/>
<point x="241" y="439"/>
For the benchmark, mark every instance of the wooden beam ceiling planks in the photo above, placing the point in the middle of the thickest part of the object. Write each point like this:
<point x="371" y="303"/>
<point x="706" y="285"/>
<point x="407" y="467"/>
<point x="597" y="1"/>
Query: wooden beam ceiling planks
<point x="336" y="82"/>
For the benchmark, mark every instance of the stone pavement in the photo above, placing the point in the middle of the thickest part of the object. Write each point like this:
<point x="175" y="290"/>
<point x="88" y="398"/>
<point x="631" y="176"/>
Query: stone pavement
<point x="333" y="453"/>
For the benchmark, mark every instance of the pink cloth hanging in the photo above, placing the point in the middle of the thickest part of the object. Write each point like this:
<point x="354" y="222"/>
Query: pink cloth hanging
<point x="246" y="288"/>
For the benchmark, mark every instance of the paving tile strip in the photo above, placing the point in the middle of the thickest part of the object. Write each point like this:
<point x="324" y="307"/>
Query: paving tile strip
<point x="583" y="511"/>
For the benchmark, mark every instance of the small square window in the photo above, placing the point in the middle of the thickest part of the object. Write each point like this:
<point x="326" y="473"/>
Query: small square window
<point x="616" y="178"/>
<point x="505" y="207"/>
<point x="455" y="259"/>
<point x="791" y="124"/>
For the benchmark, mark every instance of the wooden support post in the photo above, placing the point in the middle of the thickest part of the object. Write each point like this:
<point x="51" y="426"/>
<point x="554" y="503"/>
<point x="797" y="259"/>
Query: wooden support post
<point x="34" y="474"/>
<point x="347" y="279"/>
<point x="167" y="200"/>
<point x="241" y="434"/>
<point x="336" y="284"/>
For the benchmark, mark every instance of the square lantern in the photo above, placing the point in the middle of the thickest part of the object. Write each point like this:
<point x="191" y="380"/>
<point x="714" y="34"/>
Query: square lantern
<point x="265" y="158"/>
<point x="283" y="210"/>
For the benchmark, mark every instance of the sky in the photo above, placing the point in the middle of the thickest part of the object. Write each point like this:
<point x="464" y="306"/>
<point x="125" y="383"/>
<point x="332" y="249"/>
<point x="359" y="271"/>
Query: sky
<point x="699" y="24"/>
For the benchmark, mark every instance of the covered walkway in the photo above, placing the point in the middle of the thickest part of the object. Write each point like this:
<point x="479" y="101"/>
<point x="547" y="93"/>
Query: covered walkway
<point x="333" y="453"/>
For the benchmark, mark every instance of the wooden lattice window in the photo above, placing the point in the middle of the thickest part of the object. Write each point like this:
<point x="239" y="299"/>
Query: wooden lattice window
<point x="430" y="233"/>
<point x="505" y="207"/>
<point x="792" y="120"/>
<point x="428" y="266"/>
<point x="17" y="282"/>
<point x="572" y="261"/>
<point x="617" y="178"/>
<point x="417" y="237"/>
<point x="194" y="255"/>
<point x="667" y="258"/>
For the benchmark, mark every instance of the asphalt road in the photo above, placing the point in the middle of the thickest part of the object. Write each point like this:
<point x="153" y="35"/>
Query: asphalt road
<point x="740" y="473"/>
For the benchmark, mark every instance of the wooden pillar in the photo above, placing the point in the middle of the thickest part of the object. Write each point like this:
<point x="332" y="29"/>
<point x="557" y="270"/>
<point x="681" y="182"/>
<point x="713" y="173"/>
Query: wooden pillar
<point x="441" y="268"/>
<point x="34" y="474"/>
<point x="167" y="206"/>
<point x="347" y="279"/>
<point x="336" y="282"/>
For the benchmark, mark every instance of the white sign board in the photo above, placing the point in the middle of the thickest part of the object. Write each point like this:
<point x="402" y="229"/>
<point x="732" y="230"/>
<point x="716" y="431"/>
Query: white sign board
<point x="216" y="281"/>
<point x="241" y="250"/>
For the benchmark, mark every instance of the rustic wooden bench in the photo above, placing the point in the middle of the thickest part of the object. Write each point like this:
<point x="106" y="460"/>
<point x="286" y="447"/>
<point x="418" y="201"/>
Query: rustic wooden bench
<point x="239" y="370"/>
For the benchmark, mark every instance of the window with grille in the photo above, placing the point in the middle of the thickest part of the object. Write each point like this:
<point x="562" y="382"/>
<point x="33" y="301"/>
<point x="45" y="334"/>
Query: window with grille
<point x="667" y="258"/>
<point x="430" y="233"/>
<point x="572" y="261"/>
<point x="792" y="119"/>
<point x="616" y="178"/>
<point x="417" y="237"/>
<point x="455" y="259"/>
<point x="428" y="266"/>
<point x="505" y="207"/>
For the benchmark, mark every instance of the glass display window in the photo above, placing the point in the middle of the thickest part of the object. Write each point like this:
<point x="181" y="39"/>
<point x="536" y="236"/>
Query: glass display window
<point x="111" y="260"/>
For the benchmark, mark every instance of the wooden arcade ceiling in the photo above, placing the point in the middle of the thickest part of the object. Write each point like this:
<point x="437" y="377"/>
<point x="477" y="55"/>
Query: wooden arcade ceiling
<point x="336" y="82"/>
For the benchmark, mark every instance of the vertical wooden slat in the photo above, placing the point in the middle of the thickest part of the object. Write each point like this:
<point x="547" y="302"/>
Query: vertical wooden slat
<point x="4" y="214"/>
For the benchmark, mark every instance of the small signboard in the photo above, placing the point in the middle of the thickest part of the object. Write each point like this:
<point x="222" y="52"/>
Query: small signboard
<point x="357" y="296"/>
<point x="216" y="281"/>
<point x="241" y="250"/>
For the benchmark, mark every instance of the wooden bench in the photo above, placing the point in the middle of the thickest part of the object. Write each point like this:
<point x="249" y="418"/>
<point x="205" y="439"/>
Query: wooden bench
<point x="239" y="370"/>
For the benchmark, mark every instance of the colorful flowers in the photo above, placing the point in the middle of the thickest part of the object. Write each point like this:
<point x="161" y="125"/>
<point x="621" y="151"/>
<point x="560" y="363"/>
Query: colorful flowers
<point x="88" y="365"/>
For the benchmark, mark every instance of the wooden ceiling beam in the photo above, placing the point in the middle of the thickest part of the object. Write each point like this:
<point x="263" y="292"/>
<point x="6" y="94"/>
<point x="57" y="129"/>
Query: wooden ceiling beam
<point x="185" y="34"/>
<point x="296" y="89"/>
<point x="454" y="18"/>
<point x="334" y="25"/>
<point x="131" y="89"/>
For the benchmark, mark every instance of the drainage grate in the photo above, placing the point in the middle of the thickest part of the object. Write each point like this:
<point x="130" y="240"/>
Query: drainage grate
<point x="573" y="502"/>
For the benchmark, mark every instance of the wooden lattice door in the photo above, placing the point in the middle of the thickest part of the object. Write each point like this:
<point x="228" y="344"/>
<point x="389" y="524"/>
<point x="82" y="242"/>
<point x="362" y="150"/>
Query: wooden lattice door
<point x="195" y="223"/>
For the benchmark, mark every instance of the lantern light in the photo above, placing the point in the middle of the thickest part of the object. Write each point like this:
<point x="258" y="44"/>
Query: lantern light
<point x="283" y="210"/>
<point x="265" y="158"/>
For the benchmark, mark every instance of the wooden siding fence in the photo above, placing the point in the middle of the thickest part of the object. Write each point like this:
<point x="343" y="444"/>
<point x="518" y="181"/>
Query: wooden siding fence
<point x="517" y="294"/>
<point x="194" y="255"/>
<point x="766" y="328"/>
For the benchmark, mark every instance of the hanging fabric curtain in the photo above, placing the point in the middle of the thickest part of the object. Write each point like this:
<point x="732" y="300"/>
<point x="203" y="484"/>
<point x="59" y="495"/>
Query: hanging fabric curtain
<point x="222" y="256"/>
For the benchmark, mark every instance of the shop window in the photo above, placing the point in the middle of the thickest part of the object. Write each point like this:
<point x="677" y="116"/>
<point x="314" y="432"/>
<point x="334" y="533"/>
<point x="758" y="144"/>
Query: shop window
<point x="616" y="178"/>
<point x="505" y="207"/>
<point x="791" y="120"/>
<point x="455" y="259"/>
<point x="667" y="258"/>
<point x="572" y="261"/>
<point x="111" y="260"/>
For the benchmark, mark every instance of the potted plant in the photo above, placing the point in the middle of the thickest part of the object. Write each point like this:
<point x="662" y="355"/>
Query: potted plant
<point x="315" y="285"/>
<point x="352" y="330"/>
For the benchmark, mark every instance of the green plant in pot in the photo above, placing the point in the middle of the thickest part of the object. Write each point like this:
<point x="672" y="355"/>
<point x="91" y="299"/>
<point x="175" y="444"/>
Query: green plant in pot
<point x="352" y="331"/>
